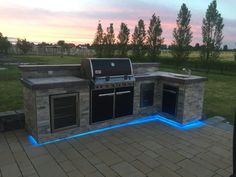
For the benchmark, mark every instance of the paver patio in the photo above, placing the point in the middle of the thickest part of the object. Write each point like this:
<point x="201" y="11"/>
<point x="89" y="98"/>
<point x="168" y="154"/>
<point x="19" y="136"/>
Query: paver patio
<point x="151" y="149"/>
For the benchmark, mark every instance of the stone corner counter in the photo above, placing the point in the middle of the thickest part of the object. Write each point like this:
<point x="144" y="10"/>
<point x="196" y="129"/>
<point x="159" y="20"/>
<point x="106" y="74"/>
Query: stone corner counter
<point x="187" y="90"/>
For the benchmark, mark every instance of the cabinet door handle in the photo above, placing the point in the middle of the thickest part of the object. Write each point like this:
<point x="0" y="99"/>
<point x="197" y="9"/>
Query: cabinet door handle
<point x="121" y="93"/>
<point x="106" y="94"/>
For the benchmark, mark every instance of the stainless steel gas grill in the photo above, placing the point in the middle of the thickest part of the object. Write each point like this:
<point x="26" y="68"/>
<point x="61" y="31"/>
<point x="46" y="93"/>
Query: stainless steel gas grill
<point x="111" y="85"/>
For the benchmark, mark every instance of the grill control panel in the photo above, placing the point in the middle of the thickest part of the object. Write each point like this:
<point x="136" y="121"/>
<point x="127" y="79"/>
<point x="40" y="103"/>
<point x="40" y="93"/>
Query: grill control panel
<point x="112" y="85"/>
<point x="113" y="79"/>
<point x="113" y="82"/>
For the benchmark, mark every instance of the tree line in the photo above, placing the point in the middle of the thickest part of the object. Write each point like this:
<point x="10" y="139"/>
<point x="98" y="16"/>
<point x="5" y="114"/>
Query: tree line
<point x="25" y="46"/>
<point x="147" y="43"/>
<point x="21" y="44"/>
<point x="106" y="45"/>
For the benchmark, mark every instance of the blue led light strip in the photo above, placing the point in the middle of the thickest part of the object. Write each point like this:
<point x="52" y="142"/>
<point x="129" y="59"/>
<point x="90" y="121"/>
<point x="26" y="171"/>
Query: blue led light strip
<point x="153" y="118"/>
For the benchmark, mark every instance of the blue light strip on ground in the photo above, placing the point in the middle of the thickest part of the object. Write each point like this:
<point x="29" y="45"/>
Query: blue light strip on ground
<point x="153" y="118"/>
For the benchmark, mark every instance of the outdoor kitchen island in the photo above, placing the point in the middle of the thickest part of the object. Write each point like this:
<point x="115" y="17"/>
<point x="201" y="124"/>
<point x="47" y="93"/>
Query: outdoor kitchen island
<point x="65" y="100"/>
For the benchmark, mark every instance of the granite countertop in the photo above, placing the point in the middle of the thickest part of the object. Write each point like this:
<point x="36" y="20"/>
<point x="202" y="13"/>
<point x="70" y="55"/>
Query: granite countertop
<point x="168" y="76"/>
<point x="52" y="82"/>
<point x="68" y="81"/>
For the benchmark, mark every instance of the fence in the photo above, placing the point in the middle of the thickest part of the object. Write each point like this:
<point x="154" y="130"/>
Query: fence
<point x="55" y="51"/>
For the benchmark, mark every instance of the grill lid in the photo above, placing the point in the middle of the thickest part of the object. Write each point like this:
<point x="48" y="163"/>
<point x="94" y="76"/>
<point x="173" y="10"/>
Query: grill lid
<point x="103" y="67"/>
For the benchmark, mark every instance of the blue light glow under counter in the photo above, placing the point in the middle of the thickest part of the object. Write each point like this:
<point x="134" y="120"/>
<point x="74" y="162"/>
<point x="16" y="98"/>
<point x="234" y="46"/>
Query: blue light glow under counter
<point x="153" y="118"/>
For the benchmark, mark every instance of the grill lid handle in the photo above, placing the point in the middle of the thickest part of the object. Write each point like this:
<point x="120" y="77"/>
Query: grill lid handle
<point x="121" y="93"/>
<point x="106" y="94"/>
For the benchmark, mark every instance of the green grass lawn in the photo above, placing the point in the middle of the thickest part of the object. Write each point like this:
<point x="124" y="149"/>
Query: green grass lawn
<point x="195" y="55"/>
<point x="220" y="96"/>
<point x="220" y="92"/>
<point x="10" y="89"/>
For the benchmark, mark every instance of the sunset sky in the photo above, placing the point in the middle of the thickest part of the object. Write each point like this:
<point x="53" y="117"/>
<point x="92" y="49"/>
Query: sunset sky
<point x="76" y="20"/>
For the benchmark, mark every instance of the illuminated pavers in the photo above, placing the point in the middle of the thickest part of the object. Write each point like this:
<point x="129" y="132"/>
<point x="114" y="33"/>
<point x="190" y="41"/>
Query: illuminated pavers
<point x="153" y="118"/>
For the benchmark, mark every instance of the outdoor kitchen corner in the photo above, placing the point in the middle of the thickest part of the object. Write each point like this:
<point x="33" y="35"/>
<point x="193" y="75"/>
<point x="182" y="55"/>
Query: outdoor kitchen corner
<point x="65" y="100"/>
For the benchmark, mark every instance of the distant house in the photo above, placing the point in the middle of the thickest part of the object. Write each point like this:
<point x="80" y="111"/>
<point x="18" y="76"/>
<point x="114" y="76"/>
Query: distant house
<point x="80" y="46"/>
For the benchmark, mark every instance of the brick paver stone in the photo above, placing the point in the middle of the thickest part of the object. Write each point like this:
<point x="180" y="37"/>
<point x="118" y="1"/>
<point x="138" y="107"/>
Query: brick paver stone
<point x="75" y="173"/>
<point x="141" y="166"/>
<point x="108" y="157"/>
<point x="83" y="166"/>
<point x="124" y="169"/>
<point x="10" y="170"/>
<point x="106" y="171"/>
<point x="195" y="168"/>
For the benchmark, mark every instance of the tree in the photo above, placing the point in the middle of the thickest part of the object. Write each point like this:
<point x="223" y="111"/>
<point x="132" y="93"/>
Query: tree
<point x="225" y="47"/>
<point x="98" y="41"/>
<point x="235" y="54"/>
<point x="109" y="41"/>
<point x="123" y="39"/>
<point x="163" y="47"/>
<point x="197" y="47"/>
<point x="44" y="44"/>
<point x="154" y="39"/>
<point x="69" y="47"/>
<point x="138" y="40"/>
<point x="4" y="44"/>
<point x="62" y="44"/>
<point x="24" y="45"/>
<point x="182" y="36"/>
<point x="212" y="35"/>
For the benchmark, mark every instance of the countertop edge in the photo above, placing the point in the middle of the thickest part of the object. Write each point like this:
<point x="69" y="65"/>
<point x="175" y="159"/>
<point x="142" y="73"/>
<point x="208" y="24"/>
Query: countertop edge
<point x="48" y="67"/>
<point x="33" y="86"/>
<point x="175" y="79"/>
